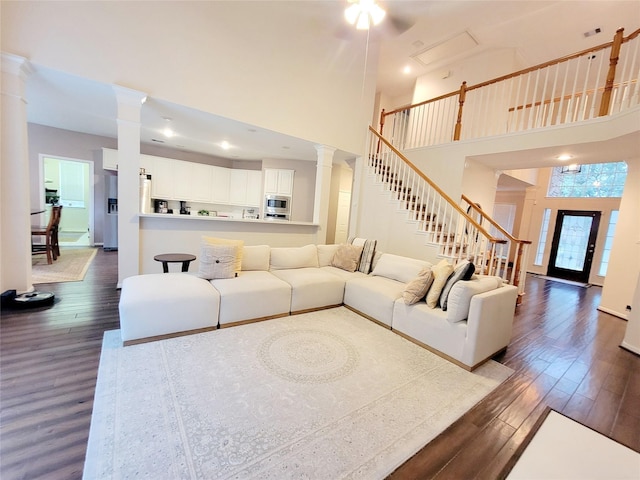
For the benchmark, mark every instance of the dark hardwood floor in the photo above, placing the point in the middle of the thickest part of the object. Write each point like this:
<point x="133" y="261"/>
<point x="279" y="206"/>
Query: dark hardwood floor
<point x="564" y="352"/>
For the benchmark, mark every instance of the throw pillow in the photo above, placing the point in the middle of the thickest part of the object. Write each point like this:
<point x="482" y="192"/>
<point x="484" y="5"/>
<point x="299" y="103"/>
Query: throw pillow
<point x="441" y="273"/>
<point x="347" y="257"/>
<point x="217" y="261"/>
<point x="368" y="250"/>
<point x="463" y="271"/>
<point x="239" y="244"/>
<point x="417" y="288"/>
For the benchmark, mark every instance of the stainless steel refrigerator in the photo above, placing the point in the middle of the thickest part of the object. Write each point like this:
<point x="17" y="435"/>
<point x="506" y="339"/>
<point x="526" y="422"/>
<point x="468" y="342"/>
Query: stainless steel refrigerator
<point x="111" y="215"/>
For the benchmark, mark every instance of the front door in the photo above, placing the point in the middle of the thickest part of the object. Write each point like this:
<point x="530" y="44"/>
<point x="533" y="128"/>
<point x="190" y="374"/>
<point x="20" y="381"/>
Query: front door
<point x="574" y="241"/>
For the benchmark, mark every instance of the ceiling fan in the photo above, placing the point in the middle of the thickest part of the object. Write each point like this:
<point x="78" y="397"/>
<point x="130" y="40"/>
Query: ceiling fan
<point x="373" y="18"/>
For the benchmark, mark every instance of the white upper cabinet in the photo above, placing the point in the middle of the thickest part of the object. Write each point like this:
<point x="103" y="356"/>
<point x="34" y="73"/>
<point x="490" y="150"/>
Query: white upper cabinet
<point x="220" y="185"/>
<point x="192" y="181"/>
<point x="109" y="159"/>
<point x="254" y="188"/>
<point x="162" y="179"/>
<point x="245" y="188"/>
<point x="278" y="181"/>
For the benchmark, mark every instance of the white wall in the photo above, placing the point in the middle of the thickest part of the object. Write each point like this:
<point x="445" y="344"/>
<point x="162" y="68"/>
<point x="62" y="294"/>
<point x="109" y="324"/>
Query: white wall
<point x="273" y="64"/>
<point x="624" y="262"/>
<point x="474" y="70"/>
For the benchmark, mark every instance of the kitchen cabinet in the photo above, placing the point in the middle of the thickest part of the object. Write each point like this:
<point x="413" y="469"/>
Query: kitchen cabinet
<point x="245" y="188"/>
<point x="254" y="188"/>
<point x="192" y="181"/>
<point x="278" y="181"/>
<point x="146" y="162"/>
<point x="220" y="185"/>
<point x="109" y="159"/>
<point x="162" y="179"/>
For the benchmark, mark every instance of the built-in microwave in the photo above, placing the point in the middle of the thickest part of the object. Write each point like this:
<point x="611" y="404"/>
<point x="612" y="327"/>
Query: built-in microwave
<point x="277" y="204"/>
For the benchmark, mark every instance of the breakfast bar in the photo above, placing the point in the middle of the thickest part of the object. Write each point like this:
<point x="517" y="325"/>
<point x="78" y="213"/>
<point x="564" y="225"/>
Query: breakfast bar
<point x="162" y="233"/>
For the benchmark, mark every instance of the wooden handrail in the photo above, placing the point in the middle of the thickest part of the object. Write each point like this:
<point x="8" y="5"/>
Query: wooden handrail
<point x="493" y="222"/>
<point x="437" y="189"/>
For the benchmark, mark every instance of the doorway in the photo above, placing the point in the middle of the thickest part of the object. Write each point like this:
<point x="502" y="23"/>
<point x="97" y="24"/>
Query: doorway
<point x="71" y="180"/>
<point x="574" y="241"/>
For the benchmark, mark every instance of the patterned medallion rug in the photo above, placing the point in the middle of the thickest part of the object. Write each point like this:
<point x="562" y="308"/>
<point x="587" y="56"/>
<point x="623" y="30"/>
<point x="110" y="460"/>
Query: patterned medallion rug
<point x="322" y="395"/>
<point x="70" y="266"/>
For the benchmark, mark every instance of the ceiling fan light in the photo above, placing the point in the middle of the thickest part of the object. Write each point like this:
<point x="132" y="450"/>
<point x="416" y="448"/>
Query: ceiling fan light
<point x="363" y="21"/>
<point x="351" y="13"/>
<point x="377" y="14"/>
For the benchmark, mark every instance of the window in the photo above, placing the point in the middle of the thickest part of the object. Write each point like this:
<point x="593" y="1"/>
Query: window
<point x="542" y="241"/>
<point x="72" y="184"/>
<point x="595" y="180"/>
<point x="613" y="220"/>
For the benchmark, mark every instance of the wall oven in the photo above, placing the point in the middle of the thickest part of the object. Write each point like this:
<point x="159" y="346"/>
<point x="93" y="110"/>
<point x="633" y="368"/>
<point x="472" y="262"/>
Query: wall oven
<point x="277" y="207"/>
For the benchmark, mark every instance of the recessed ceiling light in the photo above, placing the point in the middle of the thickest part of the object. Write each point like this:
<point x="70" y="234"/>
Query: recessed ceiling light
<point x="406" y="70"/>
<point x="564" y="157"/>
<point x="167" y="132"/>
<point x="225" y="145"/>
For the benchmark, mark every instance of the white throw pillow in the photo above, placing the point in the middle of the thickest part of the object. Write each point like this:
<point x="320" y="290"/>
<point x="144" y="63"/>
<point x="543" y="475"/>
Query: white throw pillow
<point x="225" y="241"/>
<point x="461" y="293"/>
<point x="217" y="261"/>
<point x="256" y="257"/>
<point x="294" y="257"/>
<point x="326" y="253"/>
<point x="396" y="267"/>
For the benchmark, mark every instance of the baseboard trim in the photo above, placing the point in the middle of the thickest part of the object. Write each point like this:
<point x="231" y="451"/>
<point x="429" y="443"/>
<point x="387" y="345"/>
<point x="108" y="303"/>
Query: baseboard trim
<point x="612" y="312"/>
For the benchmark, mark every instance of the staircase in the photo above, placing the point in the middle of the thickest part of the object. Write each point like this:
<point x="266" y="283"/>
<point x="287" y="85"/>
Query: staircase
<point x="455" y="233"/>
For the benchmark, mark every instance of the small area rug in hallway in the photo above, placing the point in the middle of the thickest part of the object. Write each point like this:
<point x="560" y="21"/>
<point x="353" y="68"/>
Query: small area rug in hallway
<point x="326" y="394"/>
<point x="71" y="266"/>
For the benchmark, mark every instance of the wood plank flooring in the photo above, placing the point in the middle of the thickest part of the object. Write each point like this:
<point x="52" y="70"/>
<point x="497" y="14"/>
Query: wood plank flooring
<point x="564" y="352"/>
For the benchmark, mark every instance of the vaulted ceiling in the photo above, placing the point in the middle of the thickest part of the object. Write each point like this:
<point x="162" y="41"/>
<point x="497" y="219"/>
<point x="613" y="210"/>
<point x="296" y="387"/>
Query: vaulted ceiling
<point x="422" y="34"/>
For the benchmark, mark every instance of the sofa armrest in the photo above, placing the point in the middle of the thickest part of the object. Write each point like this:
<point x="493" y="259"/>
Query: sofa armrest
<point x="489" y="324"/>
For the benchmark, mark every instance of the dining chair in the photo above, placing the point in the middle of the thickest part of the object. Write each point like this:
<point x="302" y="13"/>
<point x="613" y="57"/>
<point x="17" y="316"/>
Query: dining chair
<point x="51" y="247"/>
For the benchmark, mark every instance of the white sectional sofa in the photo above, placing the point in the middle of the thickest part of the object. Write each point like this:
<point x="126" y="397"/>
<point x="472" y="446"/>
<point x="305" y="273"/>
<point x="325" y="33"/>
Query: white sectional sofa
<point x="276" y="282"/>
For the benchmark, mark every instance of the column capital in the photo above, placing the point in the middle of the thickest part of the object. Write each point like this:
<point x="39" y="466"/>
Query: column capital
<point x="129" y="103"/>
<point x="16" y="65"/>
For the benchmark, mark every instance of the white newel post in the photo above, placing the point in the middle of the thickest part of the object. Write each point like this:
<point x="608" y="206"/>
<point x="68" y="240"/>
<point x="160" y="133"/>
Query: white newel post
<point x="323" y="190"/>
<point x="15" y="221"/>
<point x="129" y="107"/>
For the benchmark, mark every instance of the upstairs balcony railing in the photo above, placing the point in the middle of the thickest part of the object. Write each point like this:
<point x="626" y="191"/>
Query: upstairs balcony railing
<point x="596" y="82"/>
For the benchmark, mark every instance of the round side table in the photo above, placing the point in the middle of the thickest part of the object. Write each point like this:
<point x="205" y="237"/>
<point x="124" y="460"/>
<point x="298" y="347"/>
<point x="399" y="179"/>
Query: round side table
<point x="167" y="258"/>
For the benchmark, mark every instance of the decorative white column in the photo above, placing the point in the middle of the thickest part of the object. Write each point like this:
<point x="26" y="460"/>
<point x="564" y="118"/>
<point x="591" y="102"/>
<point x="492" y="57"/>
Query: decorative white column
<point x="323" y="190"/>
<point x="15" y="221"/>
<point x="129" y="108"/>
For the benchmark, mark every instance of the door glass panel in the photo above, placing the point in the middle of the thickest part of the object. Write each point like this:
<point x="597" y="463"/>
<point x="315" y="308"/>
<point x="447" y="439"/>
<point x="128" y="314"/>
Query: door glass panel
<point x="574" y="239"/>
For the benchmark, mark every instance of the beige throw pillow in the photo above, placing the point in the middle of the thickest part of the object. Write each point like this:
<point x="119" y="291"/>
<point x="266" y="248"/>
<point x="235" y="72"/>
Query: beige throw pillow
<point x="217" y="261"/>
<point x="417" y="288"/>
<point x="347" y="257"/>
<point x="238" y="244"/>
<point x="441" y="273"/>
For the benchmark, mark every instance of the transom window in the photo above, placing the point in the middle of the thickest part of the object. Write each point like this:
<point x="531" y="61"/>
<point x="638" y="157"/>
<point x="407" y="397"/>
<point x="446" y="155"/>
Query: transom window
<point x="592" y="181"/>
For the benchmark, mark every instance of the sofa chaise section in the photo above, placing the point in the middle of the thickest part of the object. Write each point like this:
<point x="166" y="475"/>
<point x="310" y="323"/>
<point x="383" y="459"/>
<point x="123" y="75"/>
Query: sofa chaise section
<point x="158" y="305"/>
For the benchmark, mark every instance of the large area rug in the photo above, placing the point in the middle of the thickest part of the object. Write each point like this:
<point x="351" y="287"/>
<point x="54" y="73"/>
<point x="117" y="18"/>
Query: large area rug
<point x="322" y="395"/>
<point x="71" y="266"/>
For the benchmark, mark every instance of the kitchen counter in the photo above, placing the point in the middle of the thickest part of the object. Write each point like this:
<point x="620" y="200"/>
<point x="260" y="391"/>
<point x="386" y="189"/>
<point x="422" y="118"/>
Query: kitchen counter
<point x="261" y="221"/>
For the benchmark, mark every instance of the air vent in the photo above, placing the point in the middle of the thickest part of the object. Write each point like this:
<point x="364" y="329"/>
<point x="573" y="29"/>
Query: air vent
<point x="156" y="140"/>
